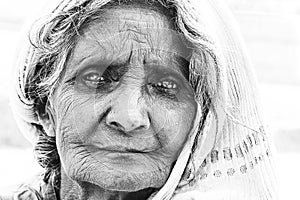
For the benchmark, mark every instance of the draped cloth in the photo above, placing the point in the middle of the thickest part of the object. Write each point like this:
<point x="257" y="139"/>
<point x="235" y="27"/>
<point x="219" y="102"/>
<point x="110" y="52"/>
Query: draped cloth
<point x="227" y="154"/>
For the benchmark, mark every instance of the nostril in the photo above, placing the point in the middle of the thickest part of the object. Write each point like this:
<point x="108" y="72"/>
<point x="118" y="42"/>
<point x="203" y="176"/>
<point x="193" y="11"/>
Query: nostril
<point x="140" y="127"/>
<point x="127" y="128"/>
<point x="121" y="121"/>
<point x="115" y="124"/>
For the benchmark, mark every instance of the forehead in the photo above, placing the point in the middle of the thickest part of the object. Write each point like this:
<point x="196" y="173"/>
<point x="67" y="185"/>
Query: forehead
<point x="125" y="31"/>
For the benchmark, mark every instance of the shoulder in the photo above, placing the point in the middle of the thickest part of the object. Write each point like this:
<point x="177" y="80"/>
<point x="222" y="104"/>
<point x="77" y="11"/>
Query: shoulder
<point x="24" y="192"/>
<point x="32" y="190"/>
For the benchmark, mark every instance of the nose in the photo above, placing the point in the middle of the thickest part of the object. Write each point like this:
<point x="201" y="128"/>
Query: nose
<point x="128" y="114"/>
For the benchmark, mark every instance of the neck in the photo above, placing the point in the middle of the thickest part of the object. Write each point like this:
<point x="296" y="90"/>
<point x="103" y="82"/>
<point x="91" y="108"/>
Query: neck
<point x="71" y="189"/>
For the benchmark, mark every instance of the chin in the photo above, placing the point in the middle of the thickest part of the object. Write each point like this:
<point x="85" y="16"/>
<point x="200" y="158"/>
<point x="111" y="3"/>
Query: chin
<point x="128" y="182"/>
<point x="114" y="180"/>
<point x="129" y="176"/>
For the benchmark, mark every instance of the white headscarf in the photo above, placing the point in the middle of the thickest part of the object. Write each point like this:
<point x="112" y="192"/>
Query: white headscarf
<point x="227" y="155"/>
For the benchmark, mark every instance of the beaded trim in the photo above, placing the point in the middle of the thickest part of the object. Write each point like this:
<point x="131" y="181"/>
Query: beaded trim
<point x="239" y="151"/>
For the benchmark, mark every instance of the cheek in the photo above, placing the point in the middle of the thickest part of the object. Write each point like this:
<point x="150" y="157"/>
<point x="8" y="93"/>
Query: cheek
<point x="75" y="125"/>
<point x="78" y="113"/>
<point x="172" y="126"/>
<point x="76" y="121"/>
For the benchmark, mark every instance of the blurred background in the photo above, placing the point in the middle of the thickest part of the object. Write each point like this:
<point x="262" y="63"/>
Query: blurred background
<point x="271" y="29"/>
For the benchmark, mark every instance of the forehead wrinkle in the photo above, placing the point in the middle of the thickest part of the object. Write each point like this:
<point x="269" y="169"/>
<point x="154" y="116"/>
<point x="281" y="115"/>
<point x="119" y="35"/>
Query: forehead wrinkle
<point x="140" y="22"/>
<point x="133" y="40"/>
<point x="142" y="26"/>
<point x="120" y="34"/>
<point x="139" y="16"/>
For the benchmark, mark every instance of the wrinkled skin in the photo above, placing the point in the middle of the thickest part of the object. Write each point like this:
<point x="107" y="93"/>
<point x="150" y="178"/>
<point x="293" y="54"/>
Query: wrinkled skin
<point x="119" y="129"/>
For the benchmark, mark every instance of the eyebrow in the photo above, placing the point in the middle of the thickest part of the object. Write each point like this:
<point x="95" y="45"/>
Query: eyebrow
<point x="180" y="62"/>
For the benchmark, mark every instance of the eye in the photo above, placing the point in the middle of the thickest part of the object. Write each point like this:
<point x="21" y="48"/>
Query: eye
<point x="166" y="88"/>
<point x="93" y="79"/>
<point x="97" y="81"/>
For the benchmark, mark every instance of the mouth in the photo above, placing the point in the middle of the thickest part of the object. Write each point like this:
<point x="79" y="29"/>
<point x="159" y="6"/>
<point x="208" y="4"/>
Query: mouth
<point x="136" y="151"/>
<point x="121" y="149"/>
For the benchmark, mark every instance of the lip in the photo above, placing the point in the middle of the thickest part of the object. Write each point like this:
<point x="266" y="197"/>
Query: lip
<point x="136" y="151"/>
<point x="121" y="149"/>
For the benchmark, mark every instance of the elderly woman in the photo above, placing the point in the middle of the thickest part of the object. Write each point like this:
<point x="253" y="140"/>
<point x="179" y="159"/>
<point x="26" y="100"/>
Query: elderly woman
<point x="141" y="100"/>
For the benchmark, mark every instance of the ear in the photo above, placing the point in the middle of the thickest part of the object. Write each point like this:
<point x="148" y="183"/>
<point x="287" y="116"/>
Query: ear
<point x="46" y="119"/>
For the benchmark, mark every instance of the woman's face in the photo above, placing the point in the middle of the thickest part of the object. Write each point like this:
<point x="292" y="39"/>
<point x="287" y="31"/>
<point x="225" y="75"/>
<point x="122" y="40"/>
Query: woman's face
<point x="123" y="108"/>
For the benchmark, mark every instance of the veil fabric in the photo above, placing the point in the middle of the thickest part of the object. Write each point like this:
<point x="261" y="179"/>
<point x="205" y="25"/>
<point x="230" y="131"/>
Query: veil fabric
<point x="231" y="157"/>
<point x="227" y="154"/>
